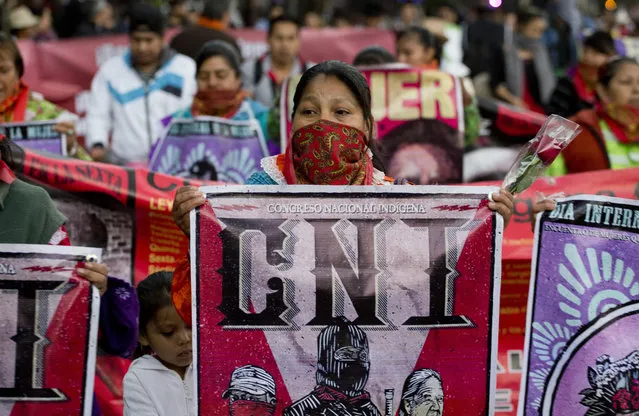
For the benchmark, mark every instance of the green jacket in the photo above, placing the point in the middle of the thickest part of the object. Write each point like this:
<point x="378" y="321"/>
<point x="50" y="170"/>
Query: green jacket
<point x="27" y="214"/>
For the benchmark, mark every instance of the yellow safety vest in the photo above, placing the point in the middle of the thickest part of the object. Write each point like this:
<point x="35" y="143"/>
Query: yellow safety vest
<point x="621" y="155"/>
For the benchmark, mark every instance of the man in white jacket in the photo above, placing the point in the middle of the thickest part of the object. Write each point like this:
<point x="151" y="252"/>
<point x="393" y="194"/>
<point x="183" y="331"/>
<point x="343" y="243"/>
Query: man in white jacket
<point x="131" y="94"/>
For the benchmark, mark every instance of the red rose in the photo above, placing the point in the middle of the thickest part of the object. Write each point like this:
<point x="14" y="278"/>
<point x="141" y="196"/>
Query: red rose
<point x="549" y="153"/>
<point x="635" y="402"/>
<point x="621" y="400"/>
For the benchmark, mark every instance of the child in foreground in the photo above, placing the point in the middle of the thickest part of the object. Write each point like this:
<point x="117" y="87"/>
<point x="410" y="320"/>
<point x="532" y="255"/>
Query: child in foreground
<point x="160" y="381"/>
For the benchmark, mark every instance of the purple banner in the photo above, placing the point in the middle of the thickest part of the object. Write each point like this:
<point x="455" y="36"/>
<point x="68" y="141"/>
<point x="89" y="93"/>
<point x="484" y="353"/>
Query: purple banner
<point x="210" y="148"/>
<point x="38" y="136"/>
<point x="582" y="352"/>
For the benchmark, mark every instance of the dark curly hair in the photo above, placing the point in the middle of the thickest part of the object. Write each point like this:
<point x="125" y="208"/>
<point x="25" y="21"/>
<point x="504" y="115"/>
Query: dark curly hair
<point x="444" y="142"/>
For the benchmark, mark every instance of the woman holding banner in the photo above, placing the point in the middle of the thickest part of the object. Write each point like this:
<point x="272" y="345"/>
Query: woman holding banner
<point x="18" y="104"/>
<point x="610" y="135"/>
<point x="219" y="88"/>
<point x="29" y="216"/>
<point x="332" y="144"/>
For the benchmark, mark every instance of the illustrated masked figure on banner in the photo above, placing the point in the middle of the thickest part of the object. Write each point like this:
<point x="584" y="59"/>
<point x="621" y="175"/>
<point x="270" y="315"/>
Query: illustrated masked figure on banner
<point x="251" y="392"/>
<point x="343" y="366"/>
<point x="423" y="394"/>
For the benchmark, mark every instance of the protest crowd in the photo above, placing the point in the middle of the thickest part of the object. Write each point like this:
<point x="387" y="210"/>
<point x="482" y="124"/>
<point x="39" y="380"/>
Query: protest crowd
<point x="189" y="93"/>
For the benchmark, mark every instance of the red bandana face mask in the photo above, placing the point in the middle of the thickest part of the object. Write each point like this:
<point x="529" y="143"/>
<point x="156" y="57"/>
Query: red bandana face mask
<point x="249" y="408"/>
<point x="218" y="103"/>
<point x="327" y="153"/>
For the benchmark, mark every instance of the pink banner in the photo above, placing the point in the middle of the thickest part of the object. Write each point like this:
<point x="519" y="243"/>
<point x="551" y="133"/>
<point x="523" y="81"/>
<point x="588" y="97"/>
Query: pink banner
<point x="62" y="70"/>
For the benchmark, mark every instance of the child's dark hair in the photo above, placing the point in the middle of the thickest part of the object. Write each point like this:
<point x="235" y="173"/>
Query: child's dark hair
<point x="154" y="293"/>
<point x="426" y="38"/>
<point x="602" y="42"/>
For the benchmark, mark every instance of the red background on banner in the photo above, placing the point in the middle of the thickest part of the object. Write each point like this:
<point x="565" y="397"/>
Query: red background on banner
<point x="66" y="354"/>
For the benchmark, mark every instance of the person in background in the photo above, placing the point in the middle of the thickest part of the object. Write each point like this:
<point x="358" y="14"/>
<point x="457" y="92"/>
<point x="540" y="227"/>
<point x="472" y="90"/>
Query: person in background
<point x="374" y="16"/>
<point x="332" y="99"/>
<point x="563" y="33"/>
<point x="373" y="56"/>
<point x="342" y="19"/>
<point x="453" y="48"/>
<point x="522" y="74"/>
<point x="19" y="104"/>
<point x="576" y="91"/>
<point x="160" y="380"/>
<point x="29" y="216"/>
<point x="411" y="13"/>
<point x="263" y="77"/>
<point x="24" y="24"/>
<point x="213" y="24"/>
<point x="102" y="21"/>
<point x="131" y="94"/>
<point x="180" y="15"/>
<point x="483" y="37"/>
<point x="219" y="89"/>
<point x="276" y="10"/>
<point x="610" y="135"/>
<point x="420" y="48"/>
<point x="313" y="20"/>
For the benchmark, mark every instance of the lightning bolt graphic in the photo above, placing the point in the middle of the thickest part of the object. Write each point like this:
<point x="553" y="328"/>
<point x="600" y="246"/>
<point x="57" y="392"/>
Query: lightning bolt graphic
<point x="236" y="208"/>
<point x="459" y="208"/>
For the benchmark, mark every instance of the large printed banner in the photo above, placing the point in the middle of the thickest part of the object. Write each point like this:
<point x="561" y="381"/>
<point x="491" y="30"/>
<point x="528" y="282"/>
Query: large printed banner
<point x="36" y="136"/>
<point x="211" y="149"/>
<point x="419" y="122"/>
<point x="48" y="331"/>
<point x="582" y="347"/>
<point x="346" y="301"/>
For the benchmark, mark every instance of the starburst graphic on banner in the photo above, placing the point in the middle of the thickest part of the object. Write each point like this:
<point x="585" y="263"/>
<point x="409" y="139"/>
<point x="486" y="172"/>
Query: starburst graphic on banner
<point x="549" y="340"/>
<point x="538" y="378"/>
<point x="170" y="161"/>
<point x="596" y="286"/>
<point x="237" y="166"/>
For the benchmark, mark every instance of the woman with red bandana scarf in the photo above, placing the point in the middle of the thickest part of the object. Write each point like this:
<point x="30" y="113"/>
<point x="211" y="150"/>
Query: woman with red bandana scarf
<point x="219" y="90"/>
<point x="610" y="135"/>
<point x="332" y="144"/>
<point x="20" y="104"/>
<point x="576" y="91"/>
